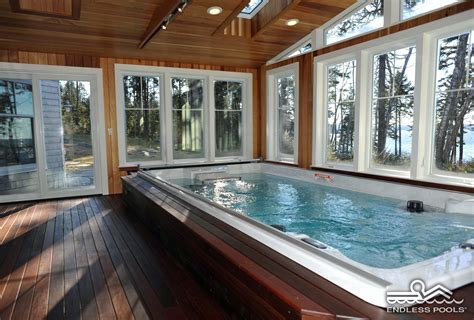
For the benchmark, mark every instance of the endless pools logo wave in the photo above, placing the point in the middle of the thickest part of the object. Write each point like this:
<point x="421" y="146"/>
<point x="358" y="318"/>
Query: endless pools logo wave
<point x="438" y="296"/>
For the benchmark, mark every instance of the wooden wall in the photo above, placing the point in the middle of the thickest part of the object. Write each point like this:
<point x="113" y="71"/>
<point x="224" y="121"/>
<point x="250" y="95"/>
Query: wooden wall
<point x="107" y="65"/>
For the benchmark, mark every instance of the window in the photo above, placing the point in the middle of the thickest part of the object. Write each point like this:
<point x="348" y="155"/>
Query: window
<point x="282" y="138"/>
<point x="368" y="18"/>
<point x="454" y="118"/>
<point x="340" y="102"/>
<point x="253" y="7"/>
<point x="188" y="117"/>
<point x="286" y="116"/>
<point x="303" y="49"/>
<point x="412" y="8"/>
<point x="178" y="115"/>
<point x="228" y="118"/>
<point x="17" y="145"/>
<point x="142" y="114"/>
<point x="392" y="110"/>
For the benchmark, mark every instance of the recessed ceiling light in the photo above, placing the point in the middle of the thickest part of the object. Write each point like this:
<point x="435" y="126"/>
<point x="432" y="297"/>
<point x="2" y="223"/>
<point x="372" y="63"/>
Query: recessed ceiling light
<point x="213" y="11"/>
<point x="292" y="22"/>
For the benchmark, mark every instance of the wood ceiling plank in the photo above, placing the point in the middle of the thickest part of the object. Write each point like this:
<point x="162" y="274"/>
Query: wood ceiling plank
<point x="233" y="15"/>
<point x="160" y="16"/>
<point x="113" y="28"/>
<point x="271" y="13"/>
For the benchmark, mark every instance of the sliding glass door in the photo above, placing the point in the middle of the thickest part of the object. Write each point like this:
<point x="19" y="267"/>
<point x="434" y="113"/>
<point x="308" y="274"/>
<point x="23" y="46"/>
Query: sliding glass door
<point x="49" y="139"/>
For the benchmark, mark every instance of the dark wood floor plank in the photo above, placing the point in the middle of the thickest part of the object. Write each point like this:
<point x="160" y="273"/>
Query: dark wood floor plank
<point x="20" y="252"/>
<point x="102" y="295"/>
<point x="39" y="306"/>
<point x="195" y="303"/>
<point x="86" y="290"/>
<point x="130" y="288"/>
<point x="149" y="296"/>
<point x="25" y="295"/>
<point x="150" y="267"/>
<point x="56" y="292"/>
<point x="85" y="259"/>
<point x="72" y="299"/>
<point x="119" y="299"/>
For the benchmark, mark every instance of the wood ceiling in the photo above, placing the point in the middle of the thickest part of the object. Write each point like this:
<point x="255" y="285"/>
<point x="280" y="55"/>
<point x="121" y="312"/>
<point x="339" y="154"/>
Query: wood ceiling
<point x="115" y="28"/>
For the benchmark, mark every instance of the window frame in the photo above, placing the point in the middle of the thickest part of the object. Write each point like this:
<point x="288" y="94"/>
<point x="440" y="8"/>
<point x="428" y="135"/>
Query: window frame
<point x="254" y="12"/>
<point x="247" y="125"/>
<point x="320" y="118"/>
<point x="431" y="171"/>
<point x="166" y="111"/>
<point x="401" y="19"/>
<point x="349" y="12"/>
<point x="371" y="167"/>
<point x="425" y="37"/>
<point x="272" y="144"/>
<point x="121" y="121"/>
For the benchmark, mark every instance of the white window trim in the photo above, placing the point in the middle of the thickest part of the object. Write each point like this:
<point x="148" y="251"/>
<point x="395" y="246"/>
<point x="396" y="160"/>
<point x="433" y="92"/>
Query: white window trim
<point x="425" y="38"/>
<point x="272" y="115"/>
<point x="36" y="73"/>
<point x="209" y="76"/>
<point x="320" y="117"/>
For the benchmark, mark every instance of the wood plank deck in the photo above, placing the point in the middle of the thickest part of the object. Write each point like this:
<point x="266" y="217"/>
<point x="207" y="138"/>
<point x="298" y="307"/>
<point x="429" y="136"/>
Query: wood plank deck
<point x="87" y="258"/>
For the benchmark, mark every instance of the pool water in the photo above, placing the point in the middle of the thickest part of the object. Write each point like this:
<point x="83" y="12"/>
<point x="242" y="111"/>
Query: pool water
<point x="372" y="230"/>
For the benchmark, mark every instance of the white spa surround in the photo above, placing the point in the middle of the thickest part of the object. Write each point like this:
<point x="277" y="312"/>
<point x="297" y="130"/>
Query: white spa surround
<point x="453" y="269"/>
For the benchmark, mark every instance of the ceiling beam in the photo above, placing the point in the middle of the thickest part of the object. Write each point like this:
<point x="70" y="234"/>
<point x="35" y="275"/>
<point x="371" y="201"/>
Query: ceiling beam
<point x="270" y="14"/>
<point x="231" y="17"/>
<point x="162" y="12"/>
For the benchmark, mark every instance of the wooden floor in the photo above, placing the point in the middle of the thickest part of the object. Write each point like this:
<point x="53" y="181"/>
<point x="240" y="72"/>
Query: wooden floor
<point x="88" y="258"/>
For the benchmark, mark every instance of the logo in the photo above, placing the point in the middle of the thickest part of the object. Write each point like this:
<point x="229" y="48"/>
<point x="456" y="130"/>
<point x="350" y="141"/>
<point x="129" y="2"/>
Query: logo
<point x="439" y="297"/>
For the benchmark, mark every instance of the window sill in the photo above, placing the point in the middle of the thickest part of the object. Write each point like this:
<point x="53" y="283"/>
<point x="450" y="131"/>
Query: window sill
<point x="428" y="183"/>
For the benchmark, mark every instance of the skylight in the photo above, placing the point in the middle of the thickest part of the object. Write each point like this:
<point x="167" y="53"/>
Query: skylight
<point x="252" y="8"/>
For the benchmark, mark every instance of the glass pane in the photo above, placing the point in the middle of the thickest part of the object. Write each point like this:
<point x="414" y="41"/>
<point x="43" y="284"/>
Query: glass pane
<point x="411" y="8"/>
<point x="151" y="92"/>
<point x="340" y="132"/>
<point x="286" y="131"/>
<point x="17" y="141"/>
<point x="187" y="134"/>
<point x="364" y="20"/>
<point x="394" y="73"/>
<point x="187" y="93"/>
<point x="392" y="121"/>
<point x="228" y="133"/>
<point x="228" y="95"/>
<point x="141" y="92"/>
<point x="143" y="135"/>
<point x="67" y="133"/>
<point x="18" y="170"/>
<point x="286" y="92"/>
<point x="16" y="97"/>
<point x="455" y="62"/>
<point x="341" y="96"/>
<point x="454" y="135"/>
<point x="132" y="90"/>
